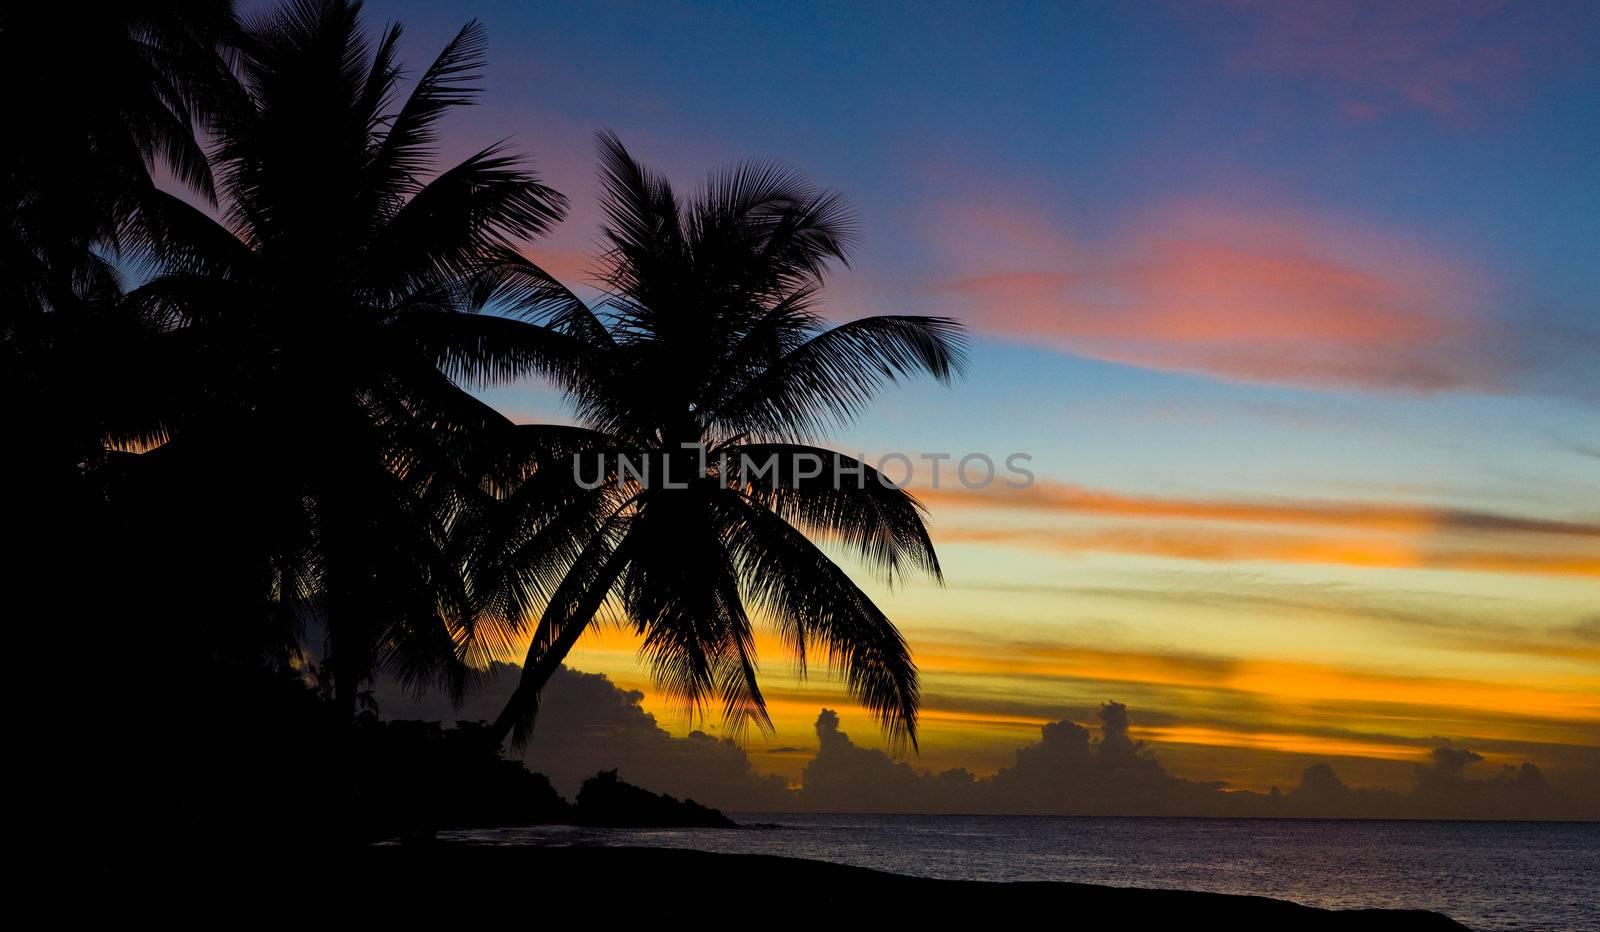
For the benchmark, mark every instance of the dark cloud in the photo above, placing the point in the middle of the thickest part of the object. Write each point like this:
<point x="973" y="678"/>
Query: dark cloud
<point x="844" y="776"/>
<point x="1072" y="770"/>
<point x="1443" y="791"/>
<point x="588" y="724"/>
<point x="1069" y="771"/>
<point x="1450" y="759"/>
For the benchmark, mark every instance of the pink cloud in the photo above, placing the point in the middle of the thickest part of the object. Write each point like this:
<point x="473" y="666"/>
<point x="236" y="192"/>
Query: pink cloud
<point x="1259" y="296"/>
<point x="1451" y="58"/>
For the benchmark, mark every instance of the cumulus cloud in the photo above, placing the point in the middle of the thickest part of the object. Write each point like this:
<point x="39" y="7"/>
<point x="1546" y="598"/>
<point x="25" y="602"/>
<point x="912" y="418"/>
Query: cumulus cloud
<point x="1072" y="770"/>
<point x="1443" y="791"/>
<point x="1450" y="759"/>
<point x="587" y="724"/>
<point x="845" y="777"/>
<point x="1069" y="771"/>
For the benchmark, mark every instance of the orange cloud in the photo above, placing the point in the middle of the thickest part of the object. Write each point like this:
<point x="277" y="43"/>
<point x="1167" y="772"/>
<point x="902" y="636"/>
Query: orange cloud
<point x="1065" y="498"/>
<point x="984" y="696"/>
<point x="1276" y="681"/>
<point x="1287" y="743"/>
<point x="951" y="657"/>
<point x="1224" y="546"/>
<point x="1286" y="531"/>
<point x="1257" y="296"/>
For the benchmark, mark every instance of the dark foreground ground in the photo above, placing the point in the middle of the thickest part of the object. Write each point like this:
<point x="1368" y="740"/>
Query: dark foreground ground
<point x="610" y="883"/>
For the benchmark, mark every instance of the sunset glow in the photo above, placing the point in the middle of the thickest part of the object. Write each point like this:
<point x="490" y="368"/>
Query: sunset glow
<point x="1131" y="461"/>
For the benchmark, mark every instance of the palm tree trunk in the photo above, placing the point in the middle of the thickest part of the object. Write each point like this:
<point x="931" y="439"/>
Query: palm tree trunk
<point x="345" y="693"/>
<point x="524" y="702"/>
<point x="348" y="669"/>
<point x="537" y="670"/>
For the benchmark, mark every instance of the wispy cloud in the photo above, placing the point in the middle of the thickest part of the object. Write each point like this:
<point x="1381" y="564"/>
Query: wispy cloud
<point x="1280" y="547"/>
<point x="1455" y="61"/>
<point x="1275" y="530"/>
<point x="1473" y="625"/>
<point x="1280" y="297"/>
<point x="1276" y="682"/>
<point x="1062" y="497"/>
<point x="977" y="678"/>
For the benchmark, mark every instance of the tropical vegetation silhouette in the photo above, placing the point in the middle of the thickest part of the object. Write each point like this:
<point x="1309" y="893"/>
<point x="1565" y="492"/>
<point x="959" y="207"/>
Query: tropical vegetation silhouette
<point x="334" y="308"/>
<point x="709" y="346"/>
<point x="245" y="310"/>
<point x="77" y="174"/>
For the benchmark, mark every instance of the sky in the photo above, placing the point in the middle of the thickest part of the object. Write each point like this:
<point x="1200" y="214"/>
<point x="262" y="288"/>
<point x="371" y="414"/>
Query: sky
<point x="1294" y="306"/>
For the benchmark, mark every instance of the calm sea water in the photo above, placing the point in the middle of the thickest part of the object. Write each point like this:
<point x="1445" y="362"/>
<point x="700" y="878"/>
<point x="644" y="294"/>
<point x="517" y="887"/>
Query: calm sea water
<point x="1488" y="875"/>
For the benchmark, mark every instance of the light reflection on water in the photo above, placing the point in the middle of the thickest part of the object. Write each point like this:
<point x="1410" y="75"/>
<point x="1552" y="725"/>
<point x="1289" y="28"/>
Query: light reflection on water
<point x="1488" y="875"/>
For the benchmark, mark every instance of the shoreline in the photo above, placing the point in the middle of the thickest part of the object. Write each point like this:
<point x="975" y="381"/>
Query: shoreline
<point x="661" y="876"/>
<point x="737" y="814"/>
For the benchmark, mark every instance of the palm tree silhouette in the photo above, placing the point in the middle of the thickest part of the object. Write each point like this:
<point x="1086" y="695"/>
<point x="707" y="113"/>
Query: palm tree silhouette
<point x="709" y="336"/>
<point x="321" y="333"/>
<point x="72" y="183"/>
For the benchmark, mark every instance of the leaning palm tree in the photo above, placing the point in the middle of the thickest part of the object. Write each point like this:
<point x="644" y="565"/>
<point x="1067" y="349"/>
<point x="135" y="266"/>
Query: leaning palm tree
<point x="709" y="343"/>
<point x="320" y="337"/>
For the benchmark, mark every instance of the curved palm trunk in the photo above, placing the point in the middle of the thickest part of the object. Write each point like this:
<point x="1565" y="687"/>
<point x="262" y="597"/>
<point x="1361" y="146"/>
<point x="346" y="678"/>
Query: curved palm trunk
<point x="537" y="670"/>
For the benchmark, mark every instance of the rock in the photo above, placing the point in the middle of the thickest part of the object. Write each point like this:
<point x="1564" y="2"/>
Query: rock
<point x="605" y="800"/>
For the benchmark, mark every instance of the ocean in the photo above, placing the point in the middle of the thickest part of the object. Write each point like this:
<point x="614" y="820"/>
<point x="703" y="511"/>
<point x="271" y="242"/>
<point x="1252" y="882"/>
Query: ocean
<point x="1487" y="875"/>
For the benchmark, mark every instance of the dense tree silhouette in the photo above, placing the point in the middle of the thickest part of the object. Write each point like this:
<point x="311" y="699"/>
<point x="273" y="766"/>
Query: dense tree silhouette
<point x="318" y="339"/>
<point x="258" y="392"/>
<point x="72" y="179"/>
<point x="101" y="102"/>
<point x="709" y="336"/>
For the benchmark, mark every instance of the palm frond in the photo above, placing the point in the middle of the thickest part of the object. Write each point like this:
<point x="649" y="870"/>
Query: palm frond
<point x="814" y="601"/>
<point x="681" y="592"/>
<point x="528" y="292"/>
<point x="849" y="501"/>
<point x="829" y="378"/>
<point x="466" y="221"/>
<point x="449" y="82"/>
<point x="486" y="349"/>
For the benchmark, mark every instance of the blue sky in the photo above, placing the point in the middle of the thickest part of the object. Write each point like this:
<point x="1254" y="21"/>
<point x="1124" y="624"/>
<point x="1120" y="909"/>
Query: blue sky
<point x="1280" y="297"/>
